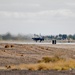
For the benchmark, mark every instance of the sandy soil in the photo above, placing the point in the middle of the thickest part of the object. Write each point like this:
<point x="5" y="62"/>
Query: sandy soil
<point x="25" y="53"/>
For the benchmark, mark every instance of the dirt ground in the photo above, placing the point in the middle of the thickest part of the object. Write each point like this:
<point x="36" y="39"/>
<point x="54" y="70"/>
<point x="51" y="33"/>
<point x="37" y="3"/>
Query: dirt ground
<point x="23" y="72"/>
<point x="31" y="53"/>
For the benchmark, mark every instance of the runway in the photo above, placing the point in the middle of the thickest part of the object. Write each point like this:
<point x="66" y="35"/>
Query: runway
<point x="31" y="42"/>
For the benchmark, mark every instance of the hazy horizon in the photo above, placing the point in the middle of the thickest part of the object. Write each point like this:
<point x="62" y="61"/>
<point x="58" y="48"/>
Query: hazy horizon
<point x="37" y="16"/>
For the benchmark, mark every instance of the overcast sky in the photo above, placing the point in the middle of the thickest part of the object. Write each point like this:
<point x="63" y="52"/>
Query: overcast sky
<point x="37" y="16"/>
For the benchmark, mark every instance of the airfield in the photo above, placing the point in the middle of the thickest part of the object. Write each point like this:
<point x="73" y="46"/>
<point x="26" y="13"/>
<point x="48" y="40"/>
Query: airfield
<point x="18" y="53"/>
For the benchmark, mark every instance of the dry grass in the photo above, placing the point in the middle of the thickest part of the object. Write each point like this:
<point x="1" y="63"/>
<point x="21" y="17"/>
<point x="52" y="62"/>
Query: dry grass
<point x="20" y="54"/>
<point x="52" y="65"/>
<point x="6" y="46"/>
<point x="50" y="59"/>
<point x="12" y="46"/>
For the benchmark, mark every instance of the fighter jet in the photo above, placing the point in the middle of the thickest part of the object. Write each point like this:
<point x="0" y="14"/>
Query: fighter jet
<point x="38" y="38"/>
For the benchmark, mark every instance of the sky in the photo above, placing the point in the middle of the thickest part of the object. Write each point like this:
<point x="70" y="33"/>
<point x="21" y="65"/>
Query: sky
<point x="44" y="17"/>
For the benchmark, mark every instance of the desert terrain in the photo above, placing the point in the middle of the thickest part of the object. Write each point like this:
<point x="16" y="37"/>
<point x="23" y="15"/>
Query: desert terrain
<point x="12" y="54"/>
